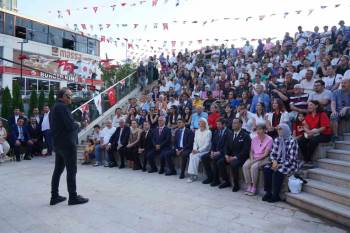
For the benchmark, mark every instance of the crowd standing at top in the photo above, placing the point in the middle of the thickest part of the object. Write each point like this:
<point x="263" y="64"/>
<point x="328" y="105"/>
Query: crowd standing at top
<point x="265" y="107"/>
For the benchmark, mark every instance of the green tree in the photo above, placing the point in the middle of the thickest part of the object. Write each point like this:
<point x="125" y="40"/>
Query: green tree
<point x="114" y="74"/>
<point x="6" y="109"/>
<point x="17" y="101"/>
<point x="41" y="100"/>
<point x="33" y="102"/>
<point x="51" y="100"/>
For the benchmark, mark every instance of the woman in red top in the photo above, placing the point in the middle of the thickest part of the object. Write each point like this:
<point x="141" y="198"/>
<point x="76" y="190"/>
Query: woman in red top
<point x="213" y="116"/>
<point x="318" y="130"/>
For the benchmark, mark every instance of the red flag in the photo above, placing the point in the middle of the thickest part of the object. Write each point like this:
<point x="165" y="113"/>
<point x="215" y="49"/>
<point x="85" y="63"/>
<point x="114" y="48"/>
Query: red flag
<point x="68" y="11"/>
<point x="83" y="25"/>
<point x="130" y="45"/>
<point x="103" y="39"/>
<point x="111" y="97"/>
<point x="173" y="43"/>
<point x="95" y="8"/>
<point x="154" y="2"/>
<point x="84" y="108"/>
<point x="165" y="26"/>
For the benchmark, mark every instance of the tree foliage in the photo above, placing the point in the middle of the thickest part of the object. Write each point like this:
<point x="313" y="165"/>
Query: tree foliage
<point x="17" y="101"/>
<point x="113" y="74"/>
<point x="41" y="100"/>
<point x="51" y="100"/>
<point x="6" y="108"/>
<point x="33" y="102"/>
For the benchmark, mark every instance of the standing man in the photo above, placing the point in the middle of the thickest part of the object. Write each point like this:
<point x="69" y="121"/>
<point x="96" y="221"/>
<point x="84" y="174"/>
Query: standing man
<point x="146" y="145"/>
<point x="45" y="129"/>
<point x="64" y="135"/>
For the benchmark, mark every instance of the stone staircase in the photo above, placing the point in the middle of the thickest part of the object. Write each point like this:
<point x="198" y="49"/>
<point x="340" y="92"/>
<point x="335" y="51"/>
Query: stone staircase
<point x="327" y="192"/>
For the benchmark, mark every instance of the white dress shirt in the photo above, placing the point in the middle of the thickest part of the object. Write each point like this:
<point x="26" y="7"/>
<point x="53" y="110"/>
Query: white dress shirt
<point x="46" y="124"/>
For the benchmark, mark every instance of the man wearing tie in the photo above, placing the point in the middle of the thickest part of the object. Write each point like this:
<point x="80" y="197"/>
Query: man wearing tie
<point x="146" y="145"/>
<point x="19" y="139"/>
<point x="210" y="160"/>
<point x="34" y="131"/>
<point x="117" y="143"/>
<point x="162" y="142"/>
<point x="14" y="119"/>
<point x="237" y="148"/>
<point x="183" y="147"/>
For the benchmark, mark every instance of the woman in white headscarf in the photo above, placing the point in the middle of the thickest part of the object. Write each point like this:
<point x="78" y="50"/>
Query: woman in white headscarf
<point x="283" y="162"/>
<point x="201" y="146"/>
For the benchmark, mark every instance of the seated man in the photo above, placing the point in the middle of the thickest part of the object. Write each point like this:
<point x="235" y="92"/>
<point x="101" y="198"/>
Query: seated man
<point x="20" y="139"/>
<point x="210" y="161"/>
<point x="237" y="148"/>
<point x="36" y="137"/>
<point x="162" y="142"/>
<point x="118" y="143"/>
<point x="146" y="146"/>
<point x="183" y="147"/>
<point x="101" y="146"/>
<point x="340" y="105"/>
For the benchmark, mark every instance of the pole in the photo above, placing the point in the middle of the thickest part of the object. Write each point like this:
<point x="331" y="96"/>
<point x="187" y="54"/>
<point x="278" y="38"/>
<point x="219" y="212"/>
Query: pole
<point x="21" y="60"/>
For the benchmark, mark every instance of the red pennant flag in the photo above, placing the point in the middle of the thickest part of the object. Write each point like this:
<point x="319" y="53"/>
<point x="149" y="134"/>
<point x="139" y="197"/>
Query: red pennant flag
<point x="108" y="25"/>
<point x="173" y="43"/>
<point x="154" y="2"/>
<point x="123" y="4"/>
<point x="103" y="39"/>
<point x="165" y="26"/>
<point x="95" y="8"/>
<point x="68" y="11"/>
<point x="130" y="46"/>
<point x="111" y="97"/>
<point x="84" y="108"/>
<point x="83" y="26"/>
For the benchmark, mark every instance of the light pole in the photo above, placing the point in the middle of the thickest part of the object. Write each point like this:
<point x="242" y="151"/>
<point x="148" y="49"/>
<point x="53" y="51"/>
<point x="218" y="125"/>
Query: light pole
<point x="24" y="41"/>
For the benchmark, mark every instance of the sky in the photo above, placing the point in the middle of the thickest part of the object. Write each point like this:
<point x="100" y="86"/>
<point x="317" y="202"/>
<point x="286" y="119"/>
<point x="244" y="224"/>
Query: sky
<point x="187" y="10"/>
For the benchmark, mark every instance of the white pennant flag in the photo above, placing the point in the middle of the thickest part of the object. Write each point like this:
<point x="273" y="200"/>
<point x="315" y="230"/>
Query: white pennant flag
<point x="98" y="103"/>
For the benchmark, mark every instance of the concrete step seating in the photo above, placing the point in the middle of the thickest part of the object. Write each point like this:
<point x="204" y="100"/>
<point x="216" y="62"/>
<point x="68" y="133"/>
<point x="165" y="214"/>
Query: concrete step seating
<point x="327" y="192"/>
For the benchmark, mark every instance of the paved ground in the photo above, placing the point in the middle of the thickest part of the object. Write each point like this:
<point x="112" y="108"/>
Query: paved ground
<point x="128" y="201"/>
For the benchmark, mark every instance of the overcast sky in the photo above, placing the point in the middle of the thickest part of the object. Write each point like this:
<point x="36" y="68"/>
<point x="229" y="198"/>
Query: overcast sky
<point x="188" y="10"/>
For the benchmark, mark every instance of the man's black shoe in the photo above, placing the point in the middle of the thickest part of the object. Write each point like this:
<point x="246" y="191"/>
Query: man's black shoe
<point x="224" y="185"/>
<point x="112" y="165"/>
<point x="207" y="181"/>
<point x="235" y="188"/>
<point x="121" y="166"/>
<point x="267" y="197"/>
<point x="153" y="170"/>
<point x="144" y="169"/>
<point x="274" y="199"/>
<point x="182" y="176"/>
<point x="170" y="173"/>
<point x="215" y="183"/>
<point x="77" y="200"/>
<point x="161" y="171"/>
<point x="56" y="200"/>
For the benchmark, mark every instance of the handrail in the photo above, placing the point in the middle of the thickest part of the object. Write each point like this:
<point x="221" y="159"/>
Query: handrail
<point x="3" y="119"/>
<point x="103" y="91"/>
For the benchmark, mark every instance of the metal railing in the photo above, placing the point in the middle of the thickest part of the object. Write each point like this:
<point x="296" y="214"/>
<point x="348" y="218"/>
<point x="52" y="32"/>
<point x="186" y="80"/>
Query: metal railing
<point x="88" y="111"/>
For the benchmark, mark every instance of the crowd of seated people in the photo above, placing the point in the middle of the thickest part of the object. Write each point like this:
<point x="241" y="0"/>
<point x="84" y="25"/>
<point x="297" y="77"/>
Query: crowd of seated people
<point x="26" y="136"/>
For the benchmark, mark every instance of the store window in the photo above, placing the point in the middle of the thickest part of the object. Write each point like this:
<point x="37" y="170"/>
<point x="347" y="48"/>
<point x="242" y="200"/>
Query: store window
<point x="55" y="86"/>
<point x="55" y="36"/>
<point x="40" y="32"/>
<point x="9" y="24"/>
<point x="23" y="28"/>
<point x="92" y="47"/>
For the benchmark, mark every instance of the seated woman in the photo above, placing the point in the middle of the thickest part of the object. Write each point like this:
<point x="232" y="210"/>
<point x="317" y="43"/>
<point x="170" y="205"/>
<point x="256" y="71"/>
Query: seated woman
<point x="317" y="130"/>
<point x="89" y="153"/>
<point x="187" y="116"/>
<point x="259" y="118"/>
<point x="132" y="147"/>
<point x="4" y="145"/>
<point x="282" y="163"/>
<point x="277" y="116"/>
<point x="201" y="146"/>
<point x="260" y="149"/>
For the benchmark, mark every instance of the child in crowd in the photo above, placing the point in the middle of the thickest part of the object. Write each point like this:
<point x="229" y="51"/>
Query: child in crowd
<point x="299" y="126"/>
<point x="89" y="152"/>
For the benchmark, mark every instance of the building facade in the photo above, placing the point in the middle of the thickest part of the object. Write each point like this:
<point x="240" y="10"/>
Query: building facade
<point x="41" y="56"/>
<point x="10" y="5"/>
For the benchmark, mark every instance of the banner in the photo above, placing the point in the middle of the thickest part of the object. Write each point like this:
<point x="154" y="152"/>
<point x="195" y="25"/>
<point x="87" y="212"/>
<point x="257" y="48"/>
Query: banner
<point x="111" y="97"/>
<point x="98" y="103"/>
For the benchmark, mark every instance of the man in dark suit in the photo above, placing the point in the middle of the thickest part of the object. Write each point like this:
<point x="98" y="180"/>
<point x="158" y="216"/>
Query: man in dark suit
<point x="117" y="143"/>
<point x="183" y="147"/>
<point x="162" y="142"/>
<point x="237" y="149"/>
<point x="20" y="140"/>
<point x="146" y="146"/>
<point x="64" y="134"/>
<point x="210" y="161"/>
<point x="13" y="119"/>
<point x="35" y="135"/>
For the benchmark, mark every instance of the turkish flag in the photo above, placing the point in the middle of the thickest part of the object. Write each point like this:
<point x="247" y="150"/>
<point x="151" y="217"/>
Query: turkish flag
<point x="111" y="97"/>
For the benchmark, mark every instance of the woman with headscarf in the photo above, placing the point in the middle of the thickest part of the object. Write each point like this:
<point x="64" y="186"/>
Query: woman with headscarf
<point x="282" y="163"/>
<point x="201" y="147"/>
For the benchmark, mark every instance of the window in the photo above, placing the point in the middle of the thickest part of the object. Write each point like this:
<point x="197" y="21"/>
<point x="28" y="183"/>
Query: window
<point x="55" y="37"/>
<point x="39" y="32"/>
<point x="1" y="22"/>
<point x="68" y="44"/>
<point x="44" y="85"/>
<point x="81" y="47"/>
<point x="21" y="32"/>
<point x="55" y="86"/>
<point x="26" y="23"/>
<point x="9" y="24"/>
<point x="92" y="47"/>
